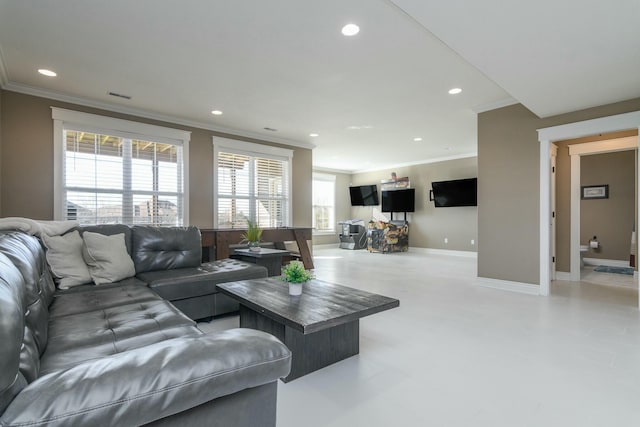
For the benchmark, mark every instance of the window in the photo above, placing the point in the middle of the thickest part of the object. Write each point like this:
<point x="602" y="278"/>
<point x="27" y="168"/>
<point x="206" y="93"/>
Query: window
<point x="111" y="171"/>
<point x="324" y="195"/>
<point x="251" y="181"/>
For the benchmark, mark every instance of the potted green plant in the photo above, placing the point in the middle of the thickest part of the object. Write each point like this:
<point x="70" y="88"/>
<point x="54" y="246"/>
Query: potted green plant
<point x="252" y="235"/>
<point x="295" y="274"/>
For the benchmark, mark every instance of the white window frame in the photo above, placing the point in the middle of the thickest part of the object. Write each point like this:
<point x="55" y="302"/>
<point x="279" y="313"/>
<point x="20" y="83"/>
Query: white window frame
<point x="76" y="120"/>
<point x="227" y="145"/>
<point x="317" y="176"/>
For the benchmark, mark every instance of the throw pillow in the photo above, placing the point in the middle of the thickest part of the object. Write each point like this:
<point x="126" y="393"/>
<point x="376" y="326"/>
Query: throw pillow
<point x="64" y="256"/>
<point x="107" y="257"/>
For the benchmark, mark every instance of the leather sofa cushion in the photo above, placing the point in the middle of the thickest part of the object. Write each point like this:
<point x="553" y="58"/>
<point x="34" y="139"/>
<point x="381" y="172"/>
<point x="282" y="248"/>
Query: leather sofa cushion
<point x="193" y="282"/>
<point x="91" y="297"/>
<point x="154" y="382"/>
<point x="165" y="248"/>
<point x="83" y="336"/>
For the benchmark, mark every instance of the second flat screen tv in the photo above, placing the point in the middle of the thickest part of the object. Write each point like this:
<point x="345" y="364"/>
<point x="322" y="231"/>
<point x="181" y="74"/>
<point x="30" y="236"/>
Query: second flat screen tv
<point x="364" y="195"/>
<point x="399" y="200"/>
<point x="460" y="192"/>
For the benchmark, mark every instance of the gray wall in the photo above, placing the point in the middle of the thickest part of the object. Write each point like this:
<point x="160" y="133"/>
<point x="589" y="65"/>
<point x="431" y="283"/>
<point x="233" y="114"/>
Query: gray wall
<point x="27" y="162"/>
<point x="611" y="220"/>
<point x="508" y="187"/>
<point x="342" y="205"/>
<point x="428" y="226"/>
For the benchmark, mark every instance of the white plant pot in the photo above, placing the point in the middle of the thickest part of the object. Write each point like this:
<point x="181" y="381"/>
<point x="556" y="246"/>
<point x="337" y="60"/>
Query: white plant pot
<point x="254" y="246"/>
<point x="295" y="288"/>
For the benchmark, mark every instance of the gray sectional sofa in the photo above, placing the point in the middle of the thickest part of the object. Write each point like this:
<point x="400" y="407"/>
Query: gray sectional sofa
<point x="126" y="353"/>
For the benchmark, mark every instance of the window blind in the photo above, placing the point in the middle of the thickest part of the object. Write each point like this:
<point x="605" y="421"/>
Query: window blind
<point x="111" y="179"/>
<point x="252" y="186"/>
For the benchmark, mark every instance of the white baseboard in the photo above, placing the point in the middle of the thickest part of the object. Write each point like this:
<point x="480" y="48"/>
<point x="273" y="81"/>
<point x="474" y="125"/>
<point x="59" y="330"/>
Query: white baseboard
<point x="563" y="275"/>
<point x="507" y="285"/>
<point x="431" y="251"/>
<point x="609" y="262"/>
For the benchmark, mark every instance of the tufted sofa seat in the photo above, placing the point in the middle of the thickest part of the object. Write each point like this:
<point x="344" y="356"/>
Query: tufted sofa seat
<point x="120" y="353"/>
<point x="168" y="260"/>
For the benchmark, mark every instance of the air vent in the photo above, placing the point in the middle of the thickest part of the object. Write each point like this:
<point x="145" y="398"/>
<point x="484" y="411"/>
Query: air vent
<point x="119" y="95"/>
<point x="271" y="129"/>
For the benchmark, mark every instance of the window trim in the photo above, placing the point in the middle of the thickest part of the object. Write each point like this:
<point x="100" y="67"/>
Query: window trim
<point x="327" y="177"/>
<point x="76" y="120"/>
<point x="234" y="146"/>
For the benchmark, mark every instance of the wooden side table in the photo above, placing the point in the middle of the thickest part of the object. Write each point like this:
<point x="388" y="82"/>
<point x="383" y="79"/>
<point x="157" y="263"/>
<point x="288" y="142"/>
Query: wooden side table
<point x="269" y="258"/>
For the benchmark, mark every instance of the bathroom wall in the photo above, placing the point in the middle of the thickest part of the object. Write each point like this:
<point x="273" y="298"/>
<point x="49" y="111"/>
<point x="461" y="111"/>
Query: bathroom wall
<point x="612" y="219"/>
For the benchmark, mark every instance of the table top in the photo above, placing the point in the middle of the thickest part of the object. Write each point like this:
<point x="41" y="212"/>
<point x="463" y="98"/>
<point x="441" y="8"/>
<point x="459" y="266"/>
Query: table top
<point x="262" y="253"/>
<point x="322" y="305"/>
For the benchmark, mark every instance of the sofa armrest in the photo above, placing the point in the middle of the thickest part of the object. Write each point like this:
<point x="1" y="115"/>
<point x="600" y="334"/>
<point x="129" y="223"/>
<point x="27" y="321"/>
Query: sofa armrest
<point x="152" y="382"/>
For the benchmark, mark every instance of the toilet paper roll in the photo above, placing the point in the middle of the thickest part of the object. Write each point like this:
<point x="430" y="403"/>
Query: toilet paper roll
<point x="594" y="244"/>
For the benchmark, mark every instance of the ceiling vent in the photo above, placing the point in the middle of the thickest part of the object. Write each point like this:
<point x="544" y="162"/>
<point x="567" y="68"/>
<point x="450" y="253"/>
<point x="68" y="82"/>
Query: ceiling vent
<point x="119" y="95"/>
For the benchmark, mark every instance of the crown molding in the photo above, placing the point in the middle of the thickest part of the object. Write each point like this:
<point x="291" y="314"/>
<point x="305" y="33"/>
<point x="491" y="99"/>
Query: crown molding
<point x="494" y="105"/>
<point x="43" y="93"/>
<point x="420" y="162"/>
<point x="331" y="170"/>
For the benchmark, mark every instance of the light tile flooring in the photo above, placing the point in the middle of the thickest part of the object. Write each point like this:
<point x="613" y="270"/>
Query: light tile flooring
<point x="457" y="354"/>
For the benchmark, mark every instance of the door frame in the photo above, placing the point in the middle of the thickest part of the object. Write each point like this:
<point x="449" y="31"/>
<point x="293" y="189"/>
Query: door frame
<point x="546" y="136"/>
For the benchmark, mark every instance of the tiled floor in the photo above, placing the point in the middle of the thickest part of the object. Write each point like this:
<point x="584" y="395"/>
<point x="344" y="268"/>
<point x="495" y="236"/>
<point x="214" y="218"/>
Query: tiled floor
<point x="456" y="354"/>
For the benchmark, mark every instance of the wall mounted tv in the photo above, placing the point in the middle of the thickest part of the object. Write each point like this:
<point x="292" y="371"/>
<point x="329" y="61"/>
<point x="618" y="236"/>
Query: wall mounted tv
<point x="399" y="200"/>
<point x="364" y="195"/>
<point x="459" y="192"/>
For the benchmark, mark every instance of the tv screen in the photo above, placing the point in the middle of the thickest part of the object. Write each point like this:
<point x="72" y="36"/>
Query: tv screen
<point x="460" y="192"/>
<point x="364" y="195"/>
<point x="399" y="200"/>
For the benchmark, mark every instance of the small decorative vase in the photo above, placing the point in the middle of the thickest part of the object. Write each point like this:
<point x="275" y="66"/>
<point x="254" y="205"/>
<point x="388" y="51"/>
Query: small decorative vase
<point x="295" y="288"/>
<point x="254" y="246"/>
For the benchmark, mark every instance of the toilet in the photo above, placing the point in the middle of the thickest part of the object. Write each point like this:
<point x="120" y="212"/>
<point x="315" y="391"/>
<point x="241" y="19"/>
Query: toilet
<point x="583" y="249"/>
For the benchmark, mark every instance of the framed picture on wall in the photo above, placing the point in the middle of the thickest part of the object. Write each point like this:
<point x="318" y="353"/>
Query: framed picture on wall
<point x="595" y="191"/>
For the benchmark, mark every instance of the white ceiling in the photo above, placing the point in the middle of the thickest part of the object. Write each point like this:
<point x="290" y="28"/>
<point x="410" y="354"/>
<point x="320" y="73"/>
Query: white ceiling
<point x="284" y="64"/>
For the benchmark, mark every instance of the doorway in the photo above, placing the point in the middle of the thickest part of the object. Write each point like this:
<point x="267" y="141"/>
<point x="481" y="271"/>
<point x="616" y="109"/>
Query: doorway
<point x="577" y="152"/>
<point x="558" y="133"/>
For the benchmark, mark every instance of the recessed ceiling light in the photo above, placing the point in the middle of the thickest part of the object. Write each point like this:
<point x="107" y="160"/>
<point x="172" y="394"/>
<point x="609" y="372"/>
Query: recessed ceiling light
<point x="350" y="30"/>
<point x="455" y="91"/>
<point x="418" y="139"/>
<point x="313" y="135"/>
<point x="47" y="73"/>
<point x="216" y="112"/>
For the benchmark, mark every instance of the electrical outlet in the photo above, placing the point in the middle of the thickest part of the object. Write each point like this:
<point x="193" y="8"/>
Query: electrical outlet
<point x="473" y="242"/>
<point x="446" y="240"/>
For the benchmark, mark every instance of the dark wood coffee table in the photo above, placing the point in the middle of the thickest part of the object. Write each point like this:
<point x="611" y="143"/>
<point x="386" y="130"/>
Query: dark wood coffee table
<point x="320" y="327"/>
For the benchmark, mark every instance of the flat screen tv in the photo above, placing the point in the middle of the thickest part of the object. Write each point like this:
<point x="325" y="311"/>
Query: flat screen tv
<point x="364" y="195"/>
<point x="399" y="200"/>
<point x="459" y="192"/>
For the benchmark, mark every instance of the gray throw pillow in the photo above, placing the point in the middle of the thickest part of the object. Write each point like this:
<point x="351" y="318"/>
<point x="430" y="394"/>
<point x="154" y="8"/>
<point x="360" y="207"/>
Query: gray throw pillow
<point x="107" y="257"/>
<point x="64" y="256"/>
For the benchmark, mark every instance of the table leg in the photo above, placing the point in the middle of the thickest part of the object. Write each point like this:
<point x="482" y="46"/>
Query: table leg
<point x="310" y="352"/>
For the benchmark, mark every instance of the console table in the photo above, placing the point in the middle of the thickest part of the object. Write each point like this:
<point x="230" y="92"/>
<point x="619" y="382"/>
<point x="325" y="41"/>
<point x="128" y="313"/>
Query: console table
<point x="217" y="241"/>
